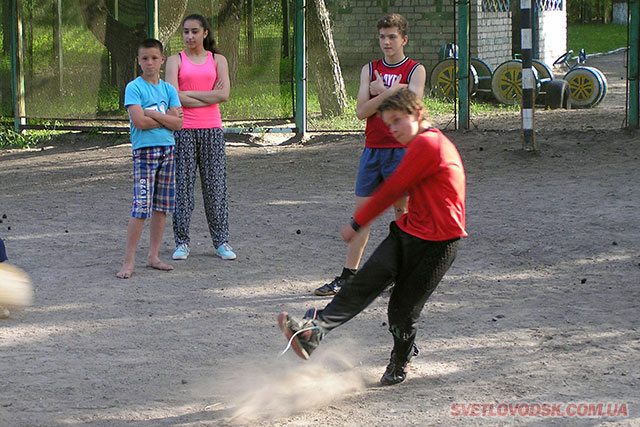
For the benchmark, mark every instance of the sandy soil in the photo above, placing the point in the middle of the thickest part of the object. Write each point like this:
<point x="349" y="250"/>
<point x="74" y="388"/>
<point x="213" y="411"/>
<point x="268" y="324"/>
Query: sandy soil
<point x="541" y="305"/>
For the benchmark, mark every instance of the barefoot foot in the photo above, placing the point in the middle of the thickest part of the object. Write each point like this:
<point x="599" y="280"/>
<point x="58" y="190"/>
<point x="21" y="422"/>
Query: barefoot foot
<point x="125" y="272"/>
<point x="159" y="265"/>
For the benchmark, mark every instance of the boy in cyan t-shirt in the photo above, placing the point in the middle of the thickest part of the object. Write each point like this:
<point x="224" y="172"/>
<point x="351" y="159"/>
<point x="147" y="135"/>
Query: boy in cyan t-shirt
<point x="154" y="112"/>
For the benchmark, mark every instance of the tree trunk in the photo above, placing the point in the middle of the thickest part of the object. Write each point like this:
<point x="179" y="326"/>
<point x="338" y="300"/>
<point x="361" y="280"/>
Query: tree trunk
<point x="122" y="40"/>
<point x="6" y="25"/>
<point x="323" y="60"/>
<point x="5" y="84"/>
<point x="229" y="27"/>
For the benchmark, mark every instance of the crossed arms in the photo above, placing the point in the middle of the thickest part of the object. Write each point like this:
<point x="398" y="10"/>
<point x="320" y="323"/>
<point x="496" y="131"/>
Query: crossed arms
<point x="151" y="119"/>
<point x="372" y="93"/>
<point x="200" y="98"/>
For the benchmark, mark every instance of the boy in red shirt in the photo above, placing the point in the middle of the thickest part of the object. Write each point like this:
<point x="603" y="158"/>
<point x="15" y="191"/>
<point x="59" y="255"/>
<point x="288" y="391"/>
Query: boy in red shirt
<point x="421" y="244"/>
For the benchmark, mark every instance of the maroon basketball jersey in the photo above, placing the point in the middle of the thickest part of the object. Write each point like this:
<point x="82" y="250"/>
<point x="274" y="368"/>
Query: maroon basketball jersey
<point x="377" y="134"/>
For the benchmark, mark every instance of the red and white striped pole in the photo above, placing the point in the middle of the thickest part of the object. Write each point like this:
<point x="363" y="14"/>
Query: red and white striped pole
<point x="528" y="80"/>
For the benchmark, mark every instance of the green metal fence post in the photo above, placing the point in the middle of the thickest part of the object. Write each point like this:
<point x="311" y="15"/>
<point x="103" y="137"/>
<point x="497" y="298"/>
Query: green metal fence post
<point x="634" y="58"/>
<point x="301" y="69"/>
<point x="152" y="19"/>
<point x="463" y="61"/>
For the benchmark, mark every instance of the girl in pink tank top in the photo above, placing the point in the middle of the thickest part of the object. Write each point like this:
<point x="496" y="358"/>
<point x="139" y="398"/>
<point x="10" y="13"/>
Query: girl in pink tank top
<point x="201" y="76"/>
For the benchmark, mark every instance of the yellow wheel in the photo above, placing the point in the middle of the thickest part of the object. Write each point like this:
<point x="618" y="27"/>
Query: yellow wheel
<point x="506" y="83"/>
<point x="587" y="86"/>
<point x="443" y="81"/>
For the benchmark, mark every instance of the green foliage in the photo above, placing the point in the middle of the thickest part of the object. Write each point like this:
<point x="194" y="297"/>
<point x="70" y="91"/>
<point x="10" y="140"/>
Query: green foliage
<point x="588" y="11"/>
<point x="109" y="99"/>
<point x="347" y="121"/>
<point x="596" y="38"/>
<point x="11" y="139"/>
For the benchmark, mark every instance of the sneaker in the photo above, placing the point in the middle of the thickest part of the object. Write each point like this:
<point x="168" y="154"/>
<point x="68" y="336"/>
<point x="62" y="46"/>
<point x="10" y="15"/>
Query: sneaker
<point x="396" y="371"/>
<point x="182" y="252"/>
<point x="4" y="312"/>
<point x="306" y="335"/>
<point x="329" y="289"/>
<point x="224" y="251"/>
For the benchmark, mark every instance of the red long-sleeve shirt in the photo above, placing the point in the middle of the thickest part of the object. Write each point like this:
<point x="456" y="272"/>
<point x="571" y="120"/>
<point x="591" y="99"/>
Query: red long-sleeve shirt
<point x="431" y="172"/>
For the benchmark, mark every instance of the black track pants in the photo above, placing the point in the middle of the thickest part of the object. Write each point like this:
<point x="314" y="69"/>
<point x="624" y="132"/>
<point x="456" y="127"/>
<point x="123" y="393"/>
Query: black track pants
<point x="415" y="265"/>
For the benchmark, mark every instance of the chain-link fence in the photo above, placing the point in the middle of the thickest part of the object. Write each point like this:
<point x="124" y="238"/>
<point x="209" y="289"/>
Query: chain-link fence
<point x="74" y="57"/>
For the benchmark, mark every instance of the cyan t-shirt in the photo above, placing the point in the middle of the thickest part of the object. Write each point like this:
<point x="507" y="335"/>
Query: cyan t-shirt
<point x="158" y="97"/>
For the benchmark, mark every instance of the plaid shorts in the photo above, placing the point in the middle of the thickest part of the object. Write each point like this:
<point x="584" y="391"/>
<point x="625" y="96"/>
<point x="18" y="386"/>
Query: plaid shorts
<point x="153" y="181"/>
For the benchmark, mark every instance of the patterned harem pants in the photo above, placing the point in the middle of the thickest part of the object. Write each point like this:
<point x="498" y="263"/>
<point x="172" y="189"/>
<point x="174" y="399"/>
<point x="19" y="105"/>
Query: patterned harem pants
<point x="203" y="149"/>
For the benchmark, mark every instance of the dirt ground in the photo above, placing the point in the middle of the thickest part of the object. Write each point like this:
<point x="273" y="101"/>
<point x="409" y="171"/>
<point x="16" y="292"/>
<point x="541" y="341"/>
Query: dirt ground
<point x="540" y="307"/>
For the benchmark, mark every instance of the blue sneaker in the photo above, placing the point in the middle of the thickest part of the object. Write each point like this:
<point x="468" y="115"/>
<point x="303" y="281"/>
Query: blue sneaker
<point x="224" y="251"/>
<point x="182" y="252"/>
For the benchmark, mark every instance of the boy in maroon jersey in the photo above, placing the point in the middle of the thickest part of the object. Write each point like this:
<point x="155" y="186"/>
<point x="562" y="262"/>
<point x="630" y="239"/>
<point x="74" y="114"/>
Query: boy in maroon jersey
<point x="382" y="153"/>
<point x="419" y="249"/>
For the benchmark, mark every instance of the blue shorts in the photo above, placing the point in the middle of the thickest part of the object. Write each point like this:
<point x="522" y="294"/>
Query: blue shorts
<point x="376" y="164"/>
<point x="154" y="184"/>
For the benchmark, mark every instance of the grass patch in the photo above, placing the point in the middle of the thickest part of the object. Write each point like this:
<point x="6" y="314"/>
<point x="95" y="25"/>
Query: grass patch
<point x="596" y="38"/>
<point x="25" y="139"/>
<point x="266" y="100"/>
<point x="435" y="107"/>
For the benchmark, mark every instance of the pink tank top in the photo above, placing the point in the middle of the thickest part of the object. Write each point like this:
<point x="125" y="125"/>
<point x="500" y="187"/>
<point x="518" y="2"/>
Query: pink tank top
<point x="199" y="77"/>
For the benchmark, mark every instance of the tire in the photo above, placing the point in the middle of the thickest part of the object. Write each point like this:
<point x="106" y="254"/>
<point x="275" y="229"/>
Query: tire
<point x="484" y="77"/>
<point x="605" y="86"/>
<point x="587" y="86"/>
<point x="556" y="94"/>
<point x="506" y="84"/>
<point x="444" y="83"/>
<point x="544" y="72"/>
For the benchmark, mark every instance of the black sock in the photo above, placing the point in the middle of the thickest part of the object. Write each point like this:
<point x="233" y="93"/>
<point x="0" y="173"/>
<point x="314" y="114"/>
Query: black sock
<point x="347" y="273"/>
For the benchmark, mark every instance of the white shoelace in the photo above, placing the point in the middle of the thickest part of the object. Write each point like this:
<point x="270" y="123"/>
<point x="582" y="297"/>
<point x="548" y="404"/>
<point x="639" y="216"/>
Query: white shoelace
<point x="294" y="335"/>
